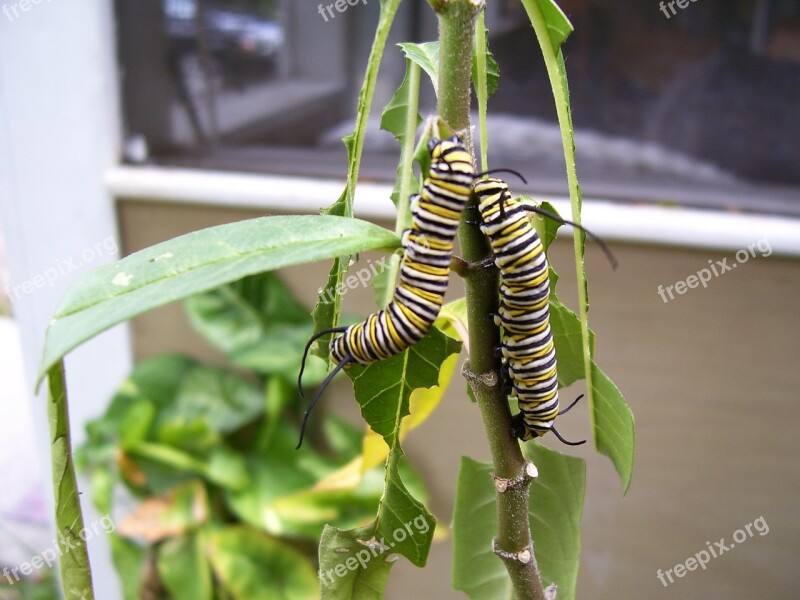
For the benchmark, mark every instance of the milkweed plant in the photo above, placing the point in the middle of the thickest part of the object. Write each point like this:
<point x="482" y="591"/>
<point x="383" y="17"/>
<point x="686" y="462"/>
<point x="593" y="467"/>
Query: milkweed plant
<point x="498" y="552"/>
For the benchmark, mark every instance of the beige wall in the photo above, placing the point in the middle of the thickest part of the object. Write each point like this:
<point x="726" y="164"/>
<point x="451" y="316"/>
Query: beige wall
<point x="712" y="378"/>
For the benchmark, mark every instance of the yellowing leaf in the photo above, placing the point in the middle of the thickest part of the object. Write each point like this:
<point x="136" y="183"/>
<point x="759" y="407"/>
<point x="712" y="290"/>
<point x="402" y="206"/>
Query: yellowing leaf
<point x="422" y="403"/>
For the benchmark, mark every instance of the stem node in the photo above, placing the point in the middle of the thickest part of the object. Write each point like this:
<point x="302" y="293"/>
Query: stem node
<point x="489" y="379"/>
<point x="524" y="556"/>
<point x="528" y="473"/>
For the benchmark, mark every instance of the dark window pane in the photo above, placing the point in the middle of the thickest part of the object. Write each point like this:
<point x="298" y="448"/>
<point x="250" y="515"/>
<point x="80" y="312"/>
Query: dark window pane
<point x="694" y="105"/>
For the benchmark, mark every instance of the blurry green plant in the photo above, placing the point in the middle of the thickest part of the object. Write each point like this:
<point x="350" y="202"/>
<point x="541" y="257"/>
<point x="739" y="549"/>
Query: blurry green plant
<point x="41" y="586"/>
<point x="227" y="505"/>
<point x="224" y="506"/>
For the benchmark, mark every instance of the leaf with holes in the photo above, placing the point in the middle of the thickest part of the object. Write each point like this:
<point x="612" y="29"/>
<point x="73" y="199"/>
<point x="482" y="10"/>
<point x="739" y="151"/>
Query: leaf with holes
<point x="383" y="388"/>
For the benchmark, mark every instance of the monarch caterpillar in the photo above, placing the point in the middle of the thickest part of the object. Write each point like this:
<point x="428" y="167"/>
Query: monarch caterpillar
<point x="524" y="313"/>
<point x="424" y="269"/>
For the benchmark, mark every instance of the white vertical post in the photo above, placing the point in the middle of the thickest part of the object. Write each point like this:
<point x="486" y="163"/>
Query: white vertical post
<point x="59" y="134"/>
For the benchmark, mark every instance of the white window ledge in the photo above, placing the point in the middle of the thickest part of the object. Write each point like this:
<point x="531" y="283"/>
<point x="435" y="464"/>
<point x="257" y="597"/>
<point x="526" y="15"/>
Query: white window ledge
<point x="614" y="221"/>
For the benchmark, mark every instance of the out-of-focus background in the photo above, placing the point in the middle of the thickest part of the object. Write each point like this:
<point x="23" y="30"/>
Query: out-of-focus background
<point x="125" y="124"/>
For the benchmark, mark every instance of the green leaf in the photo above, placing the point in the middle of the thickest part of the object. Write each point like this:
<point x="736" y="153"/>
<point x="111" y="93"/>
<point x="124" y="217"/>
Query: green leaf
<point x="252" y="565"/>
<point x="426" y="55"/>
<point x="155" y="381"/>
<point x="394" y="117"/>
<point x="76" y="573"/>
<point x="383" y="388"/>
<point x="228" y="469"/>
<point x="477" y="571"/>
<point x="555" y="513"/>
<point x="329" y="306"/>
<point x="545" y="226"/>
<point x="558" y="26"/>
<point x="401" y="118"/>
<point x="199" y="262"/>
<point x="282" y="499"/>
<point x="184" y="570"/>
<point x="221" y="399"/>
<point x="404" y="524"/>
<point x="240" y="314"/>
<point x="136" y="424"/>
<point x="615" y="432"/>
<point x="352" y="568"/>
<point x="383" y="283"/>
<point x="129" y="561"/>
<point x="568" y="340"/>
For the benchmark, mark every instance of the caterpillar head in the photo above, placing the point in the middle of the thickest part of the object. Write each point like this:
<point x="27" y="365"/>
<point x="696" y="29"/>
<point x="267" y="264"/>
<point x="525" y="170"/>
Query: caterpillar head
<point x="493" y="197"/>
<point x="451" y="161"/>
<point x="437" y="147"/>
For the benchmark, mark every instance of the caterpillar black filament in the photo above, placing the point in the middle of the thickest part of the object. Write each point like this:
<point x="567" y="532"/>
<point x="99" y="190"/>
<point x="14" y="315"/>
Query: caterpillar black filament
<point x="424" y="268"/>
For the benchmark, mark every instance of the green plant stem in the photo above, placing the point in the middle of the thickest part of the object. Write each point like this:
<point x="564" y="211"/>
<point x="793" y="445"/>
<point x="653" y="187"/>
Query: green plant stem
<point x="481" y="92"/>
<point x="388" y="11"/>
<point x="406" y="173"/>
<point x="456" y="31"/>
<point x="554" y="63"/>
<point x="74" y="567"/>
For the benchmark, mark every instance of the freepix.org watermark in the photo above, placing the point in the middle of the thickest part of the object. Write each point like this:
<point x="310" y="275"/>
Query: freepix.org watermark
<point x="702" y="558"/>
<point x="671" y="5"/>
<point x="364" y="275"/>
<point x="61" y="267"/>
<point x="61" y="545"/>
<point x="373" y="549"/>
<point x="339" y="5"/>
<point x="13" y="10"/>
<point x="717" y="268"/>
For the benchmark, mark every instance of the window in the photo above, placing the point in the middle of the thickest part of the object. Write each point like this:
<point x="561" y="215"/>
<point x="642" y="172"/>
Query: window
<point x="677" y="102"/>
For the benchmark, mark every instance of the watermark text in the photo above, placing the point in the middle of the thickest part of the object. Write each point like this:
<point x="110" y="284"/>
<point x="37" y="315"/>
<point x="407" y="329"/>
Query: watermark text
<point x="702" y="558"/>
<point x="339" y="5"/>
<point x="374" y="548"/>
<point x="671" y="6"/>
<point x="717" y="268"/>
<point x="63" y="544"/>
<point x="60" y="268"/>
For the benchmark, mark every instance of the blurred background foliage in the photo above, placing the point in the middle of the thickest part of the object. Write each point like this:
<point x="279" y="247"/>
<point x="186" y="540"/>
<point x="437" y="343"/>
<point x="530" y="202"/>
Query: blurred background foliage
<point x="197" y="464"/>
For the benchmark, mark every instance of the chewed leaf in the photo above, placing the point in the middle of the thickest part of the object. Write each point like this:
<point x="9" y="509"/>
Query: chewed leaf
<point x="383" y="389"/>
<point x="364" y="576"/>
<point x="422" y="403"/>
<point x="426" y="55"/>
